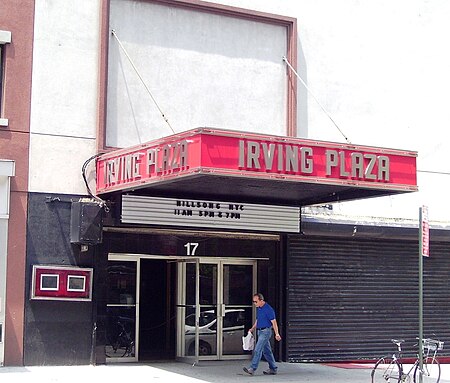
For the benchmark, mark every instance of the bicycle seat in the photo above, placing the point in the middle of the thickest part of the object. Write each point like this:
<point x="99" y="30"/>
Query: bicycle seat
<point x="397" y="341"/>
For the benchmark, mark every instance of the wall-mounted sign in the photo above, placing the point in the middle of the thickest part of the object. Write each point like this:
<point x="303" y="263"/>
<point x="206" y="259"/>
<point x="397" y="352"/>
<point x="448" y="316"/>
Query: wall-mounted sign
<point x="424" y="232"/>
<point x="209" y="214"/>
<point x="61" y="283"/>
<point x="229" y="153"/>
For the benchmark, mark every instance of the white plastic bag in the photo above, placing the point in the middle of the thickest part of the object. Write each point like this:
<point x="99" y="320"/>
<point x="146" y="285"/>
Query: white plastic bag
<point x="248" y="342"/>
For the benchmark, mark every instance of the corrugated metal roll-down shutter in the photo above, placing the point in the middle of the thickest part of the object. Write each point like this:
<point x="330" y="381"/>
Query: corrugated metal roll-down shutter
<point x="347" y="298"/>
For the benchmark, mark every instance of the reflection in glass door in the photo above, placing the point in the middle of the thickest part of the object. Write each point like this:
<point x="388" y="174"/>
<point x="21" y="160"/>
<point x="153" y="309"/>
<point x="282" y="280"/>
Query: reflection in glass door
<point x="237" y="291"/>
<point x="121" y="311"/>
<point x="225" y="292"/>
<point x="208" y="309"/>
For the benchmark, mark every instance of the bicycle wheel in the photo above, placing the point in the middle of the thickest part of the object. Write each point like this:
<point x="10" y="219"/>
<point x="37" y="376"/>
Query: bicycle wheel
<point x="118" y="349"/>
<point x="111" y="351"/>
<point x="431" y="371"/>
<point x="386" y="370"/>
<point x="130" y="348"/>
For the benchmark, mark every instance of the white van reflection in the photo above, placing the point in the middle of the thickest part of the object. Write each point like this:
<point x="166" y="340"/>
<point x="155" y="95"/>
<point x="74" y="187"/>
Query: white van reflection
<point x="233" y="330"/>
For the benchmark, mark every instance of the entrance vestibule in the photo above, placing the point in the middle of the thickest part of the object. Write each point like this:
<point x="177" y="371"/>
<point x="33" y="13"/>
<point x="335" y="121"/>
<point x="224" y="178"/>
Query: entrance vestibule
<point x="153" y="302"/>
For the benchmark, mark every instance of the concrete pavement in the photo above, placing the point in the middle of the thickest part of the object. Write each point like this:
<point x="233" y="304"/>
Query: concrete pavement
<point x="206" y="371"/>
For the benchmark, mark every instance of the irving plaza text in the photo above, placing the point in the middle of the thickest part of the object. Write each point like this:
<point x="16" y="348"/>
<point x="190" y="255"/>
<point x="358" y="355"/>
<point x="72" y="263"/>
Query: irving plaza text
<point x="255" y="156"/>
<point x="287" y="158"/>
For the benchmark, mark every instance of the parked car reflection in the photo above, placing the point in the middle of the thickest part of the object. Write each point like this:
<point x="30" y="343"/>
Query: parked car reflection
<point x="233" y="330"/>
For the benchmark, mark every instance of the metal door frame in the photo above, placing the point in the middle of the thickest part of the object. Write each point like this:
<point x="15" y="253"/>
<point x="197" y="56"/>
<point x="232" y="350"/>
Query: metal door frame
<point x="220" y="282"/>
<point x="126" y="257"/>
<point x="181" y="300"/>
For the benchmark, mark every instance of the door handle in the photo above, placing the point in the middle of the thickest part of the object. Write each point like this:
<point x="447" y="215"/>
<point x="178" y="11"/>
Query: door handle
<point x="220" y="310"/>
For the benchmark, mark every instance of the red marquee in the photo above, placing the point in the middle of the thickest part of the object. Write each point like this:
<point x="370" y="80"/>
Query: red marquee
<point x="256" y="156"/>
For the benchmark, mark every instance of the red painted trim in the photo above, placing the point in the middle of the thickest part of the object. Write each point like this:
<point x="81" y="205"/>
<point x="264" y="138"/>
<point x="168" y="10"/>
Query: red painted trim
<point x="103" y="76"/>
<point x="15" y="277"/>
<point x="227" y="10"/>
<point x="17" y="16"/>
<point x="371" y="362"/>
<point x="292" y="80"/>
<point x="202" y="6"/>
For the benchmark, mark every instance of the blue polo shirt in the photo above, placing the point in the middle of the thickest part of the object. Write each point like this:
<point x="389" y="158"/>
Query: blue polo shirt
<point x="264" y="316"/>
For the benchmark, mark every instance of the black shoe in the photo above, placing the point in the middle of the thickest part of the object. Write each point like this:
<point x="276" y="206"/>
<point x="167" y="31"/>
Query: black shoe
<point x="249" y="371"/>
<point x="270" y="372"/>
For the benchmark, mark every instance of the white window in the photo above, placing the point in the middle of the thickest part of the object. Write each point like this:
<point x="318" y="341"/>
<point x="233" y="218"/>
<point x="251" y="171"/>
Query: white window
<point x="49" y="282"/>
<point x="76" y="283"/>
<point x="5" y="38"/>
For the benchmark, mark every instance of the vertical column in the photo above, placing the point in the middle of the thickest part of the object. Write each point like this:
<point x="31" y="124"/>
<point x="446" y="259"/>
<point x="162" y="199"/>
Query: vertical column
<point x="6" y="171"/>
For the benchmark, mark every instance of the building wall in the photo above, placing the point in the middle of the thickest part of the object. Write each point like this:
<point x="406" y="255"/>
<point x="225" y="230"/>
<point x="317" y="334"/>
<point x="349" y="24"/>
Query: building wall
<point x="378" y="68"/>
<point x="57" y="332"/>
<point x="218" y="77"/>
<point x="64" y="107"/>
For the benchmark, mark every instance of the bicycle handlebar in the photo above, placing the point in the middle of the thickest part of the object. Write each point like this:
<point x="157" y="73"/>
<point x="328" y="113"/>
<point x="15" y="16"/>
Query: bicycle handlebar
<point x="427" y="343"/>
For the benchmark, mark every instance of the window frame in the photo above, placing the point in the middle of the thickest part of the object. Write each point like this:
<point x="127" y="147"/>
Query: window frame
<point x="49" y="277"/>
<point x="2" y="75"/>
<point x="78" y="277"/>
<point x="289" y="23"/>
<point x="5" y="38"/>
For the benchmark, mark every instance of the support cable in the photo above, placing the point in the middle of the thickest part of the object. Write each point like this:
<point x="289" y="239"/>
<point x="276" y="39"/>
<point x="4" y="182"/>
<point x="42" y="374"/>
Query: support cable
<point x="314" y="97"/>
<point x="142" y="80"/>
<point x="433" y="172"/>
<point x="346" y="139"/>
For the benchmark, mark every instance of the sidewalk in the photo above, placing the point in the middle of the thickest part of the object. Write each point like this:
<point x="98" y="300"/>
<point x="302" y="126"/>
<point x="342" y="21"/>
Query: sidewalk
<point x="214" y="371"/>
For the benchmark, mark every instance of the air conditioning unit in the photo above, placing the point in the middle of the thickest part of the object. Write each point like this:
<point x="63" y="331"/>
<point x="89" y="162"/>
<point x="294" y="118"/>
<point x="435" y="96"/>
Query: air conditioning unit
<point x="86" y="223"/>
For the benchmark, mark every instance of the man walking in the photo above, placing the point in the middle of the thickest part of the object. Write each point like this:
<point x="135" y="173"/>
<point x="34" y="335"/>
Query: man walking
<point x="265" y="321"/>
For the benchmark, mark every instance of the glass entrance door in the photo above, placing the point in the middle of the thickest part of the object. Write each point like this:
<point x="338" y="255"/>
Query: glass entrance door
<point x="238" y="285"/>
<point x="225" y="290"/>
<point x="122" y="301"/>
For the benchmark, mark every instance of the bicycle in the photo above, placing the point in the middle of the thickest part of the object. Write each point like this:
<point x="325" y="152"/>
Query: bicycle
<point x="122" y="345"/>
<point x="391" y="369"/>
